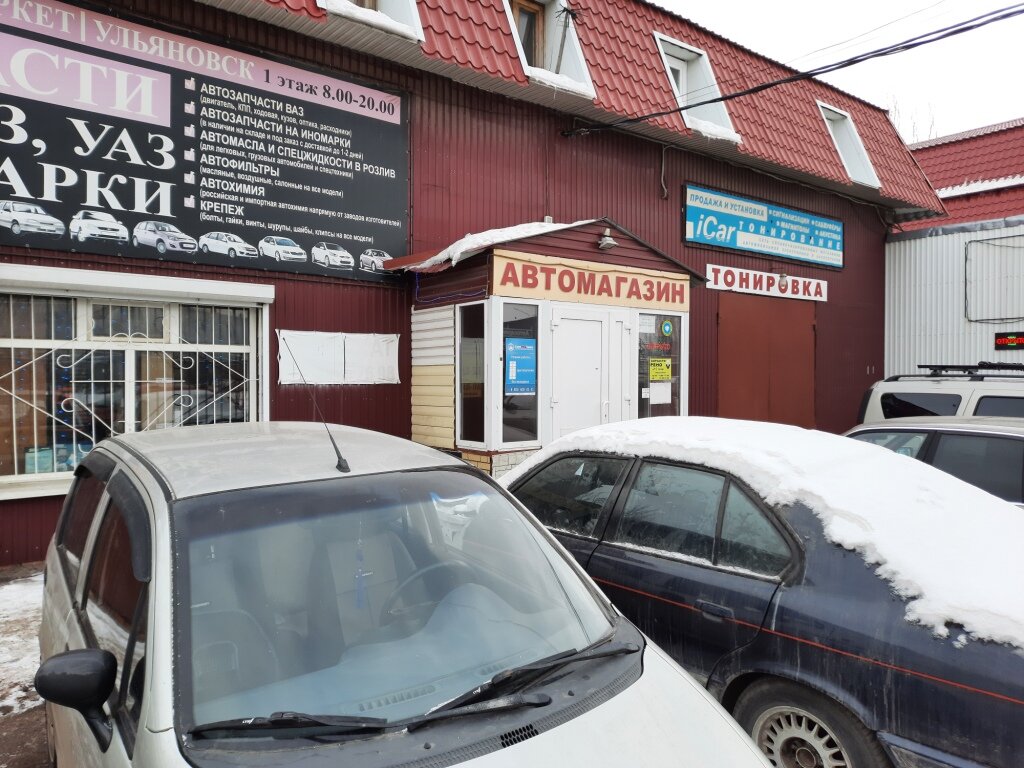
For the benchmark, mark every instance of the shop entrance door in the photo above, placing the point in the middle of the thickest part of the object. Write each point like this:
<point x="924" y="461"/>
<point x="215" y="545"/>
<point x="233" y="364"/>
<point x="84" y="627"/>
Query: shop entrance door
<point x="587" y="368"/>
<point x="766" y="359"/>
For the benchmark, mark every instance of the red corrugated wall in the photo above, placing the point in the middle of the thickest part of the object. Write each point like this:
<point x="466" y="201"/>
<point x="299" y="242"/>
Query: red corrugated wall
<point x="480" y="161"/>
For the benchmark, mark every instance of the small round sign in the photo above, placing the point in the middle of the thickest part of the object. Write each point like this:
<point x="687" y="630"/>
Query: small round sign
<point x="666" y="328"/>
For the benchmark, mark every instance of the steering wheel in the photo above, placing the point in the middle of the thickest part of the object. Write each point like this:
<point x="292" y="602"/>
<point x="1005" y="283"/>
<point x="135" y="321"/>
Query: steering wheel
<point x="388" y="613"/>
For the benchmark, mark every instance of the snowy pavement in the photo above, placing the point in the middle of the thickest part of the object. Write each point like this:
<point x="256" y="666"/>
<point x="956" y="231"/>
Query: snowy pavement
<point x="20" y="610"/>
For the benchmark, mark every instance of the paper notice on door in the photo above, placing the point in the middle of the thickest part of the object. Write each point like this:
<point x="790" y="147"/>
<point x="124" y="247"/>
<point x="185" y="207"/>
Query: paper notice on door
<point x="645" y="393"/>
<point x="661" y="392"/>
<point x="647" y="324"/>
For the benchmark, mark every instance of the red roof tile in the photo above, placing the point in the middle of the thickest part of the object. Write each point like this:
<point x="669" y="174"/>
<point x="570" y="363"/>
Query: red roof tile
<point x="985" y="206"/>
<point x="782" y="125"/>
<point x="981" y="155"/>
<point x="301" y="7"/>
<point x="471" y="33"/>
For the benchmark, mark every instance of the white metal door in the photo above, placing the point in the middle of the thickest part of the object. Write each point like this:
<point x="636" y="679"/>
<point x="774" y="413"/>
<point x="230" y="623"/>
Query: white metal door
<point x="590" y="366"/>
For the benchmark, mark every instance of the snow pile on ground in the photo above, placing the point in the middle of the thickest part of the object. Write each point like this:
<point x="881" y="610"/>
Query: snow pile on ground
<point x="473" y="244"/>
<point x="20" y="603"/>
<point x="951" y="549"/>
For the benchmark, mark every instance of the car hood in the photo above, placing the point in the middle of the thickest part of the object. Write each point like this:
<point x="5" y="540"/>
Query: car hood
<point x="664" y="719"/>
<point x="40" y="217"/>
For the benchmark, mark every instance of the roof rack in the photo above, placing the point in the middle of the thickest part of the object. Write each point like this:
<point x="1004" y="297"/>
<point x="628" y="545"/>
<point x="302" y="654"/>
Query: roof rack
<point x="975" y="372"/>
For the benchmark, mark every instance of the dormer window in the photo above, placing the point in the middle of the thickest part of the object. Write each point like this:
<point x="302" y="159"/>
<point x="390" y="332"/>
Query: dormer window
<point x="529" y="17"/>
<point x="370" y="5"/>
<point x="692" y="81"/>
<point x="398" y="17"/>
<point x="849" y="146"/>
<point x="545" y="36"/>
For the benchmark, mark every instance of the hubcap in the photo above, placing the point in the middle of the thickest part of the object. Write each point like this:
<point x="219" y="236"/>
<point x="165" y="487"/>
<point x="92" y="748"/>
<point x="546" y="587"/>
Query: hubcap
<point x="792" y="738"/>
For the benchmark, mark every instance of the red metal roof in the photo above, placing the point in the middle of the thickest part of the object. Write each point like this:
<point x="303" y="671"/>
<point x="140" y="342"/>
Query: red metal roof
<point x="471" y="33"/>
<point x="301" y="7"/>
<point x="985" y="206"/>
<point x="996" y="152"/>
<point x="781" y="126"/>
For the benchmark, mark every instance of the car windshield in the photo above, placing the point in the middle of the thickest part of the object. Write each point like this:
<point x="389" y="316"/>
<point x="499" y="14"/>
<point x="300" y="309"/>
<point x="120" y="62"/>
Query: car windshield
<point x="334" y="247"/>
<point x="232" y="238"/>
<point x="97" y="216"/>
<point x="161" y="227"/>
<point x="27" y="208"/>
<point x="382" y="595"/>
<point x="286" y="241"/>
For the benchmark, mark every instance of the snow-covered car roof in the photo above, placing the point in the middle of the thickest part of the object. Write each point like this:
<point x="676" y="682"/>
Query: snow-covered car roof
<point x="222" y="457"/>
<point x="949" y="548"/>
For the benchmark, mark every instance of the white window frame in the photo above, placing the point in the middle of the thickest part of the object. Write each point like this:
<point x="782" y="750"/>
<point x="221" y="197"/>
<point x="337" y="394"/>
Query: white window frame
<point x="488" y="379"/>
<point x="711" y="120"/>
<point x="497" y="358"/>
<point x="854" y="156"/>
<point x="398" y="17"/>
<point x="131" y="288"/>
<point x="577" y="79"/>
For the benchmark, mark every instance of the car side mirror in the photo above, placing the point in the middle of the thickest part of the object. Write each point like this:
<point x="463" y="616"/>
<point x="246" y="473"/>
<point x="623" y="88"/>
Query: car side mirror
<point x="81" y="680"/>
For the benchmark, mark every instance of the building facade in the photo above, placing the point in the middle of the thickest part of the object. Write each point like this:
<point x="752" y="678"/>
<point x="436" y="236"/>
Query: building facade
<point x="955" y="283"/>
<point x="199" y="201"/>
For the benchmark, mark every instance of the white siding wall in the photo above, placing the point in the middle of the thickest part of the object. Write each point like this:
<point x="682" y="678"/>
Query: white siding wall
<point x="929" y="285"/>
<point x="433" y="377"/>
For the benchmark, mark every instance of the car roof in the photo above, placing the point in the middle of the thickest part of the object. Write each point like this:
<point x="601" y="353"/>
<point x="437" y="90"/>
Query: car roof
<point x="220" y="457"/>
<point x="1001" y="424"/>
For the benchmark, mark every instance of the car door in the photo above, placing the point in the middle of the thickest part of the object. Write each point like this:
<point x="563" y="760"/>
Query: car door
<point x="693" y="559"/>
<point x="111" y="613"/>
<point x="572" y="494"/>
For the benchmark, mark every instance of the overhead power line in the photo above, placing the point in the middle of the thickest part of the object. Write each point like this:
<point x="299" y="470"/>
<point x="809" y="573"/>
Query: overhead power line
<point x="914" y="42"/>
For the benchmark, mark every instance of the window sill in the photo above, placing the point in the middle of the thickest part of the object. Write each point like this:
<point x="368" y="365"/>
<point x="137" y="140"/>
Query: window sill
<point x="57" y="485"/>
<point x="559" y="82"/>
<point x="352" y="12"/>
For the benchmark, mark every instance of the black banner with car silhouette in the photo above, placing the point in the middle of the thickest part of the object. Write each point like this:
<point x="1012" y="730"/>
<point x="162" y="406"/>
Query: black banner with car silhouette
<point x="127" y="140"/>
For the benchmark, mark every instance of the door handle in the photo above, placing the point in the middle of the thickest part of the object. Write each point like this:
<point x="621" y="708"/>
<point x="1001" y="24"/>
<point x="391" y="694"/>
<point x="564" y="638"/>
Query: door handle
<point x="714" y="611"/>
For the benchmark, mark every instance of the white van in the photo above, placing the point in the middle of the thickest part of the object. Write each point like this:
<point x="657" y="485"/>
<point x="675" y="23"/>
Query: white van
<point x="985" y="389"/>
<point x="253" y="594"/>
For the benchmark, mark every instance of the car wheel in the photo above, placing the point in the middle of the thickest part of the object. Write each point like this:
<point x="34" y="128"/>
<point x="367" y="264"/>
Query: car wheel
<point x="798" y="728"/>
<point x="15" y="228"/>
<point x="205" y="249"/>
<point x="231" y="253"/>
<point x="161" y="246"/>
<point x="373" y="266"/>
<point x="81" y="236"/>
<point x="135" y="241"/>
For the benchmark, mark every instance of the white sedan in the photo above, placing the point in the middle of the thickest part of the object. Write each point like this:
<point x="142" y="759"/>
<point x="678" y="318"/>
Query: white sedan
<point x="332" y="255"/>
<point x="29" y="218"/>
<point x="227" y="244"/>
<point x="281" y="249"/>
<point x="97" y="225"/>
<point x="373" y="259"/>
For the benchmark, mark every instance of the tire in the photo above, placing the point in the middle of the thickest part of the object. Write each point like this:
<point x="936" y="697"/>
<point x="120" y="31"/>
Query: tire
<point x="161" y="246"/>
<point x="231" y="253"/>
<point x="135" y="241"/>
<point x="205" y="249"/>
<point x="798" y="728"/>
<point x="15" y="228"/>
<point x="81" y="236"/>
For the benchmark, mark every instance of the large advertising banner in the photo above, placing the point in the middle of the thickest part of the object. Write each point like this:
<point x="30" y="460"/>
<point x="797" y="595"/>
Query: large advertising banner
<point x="728" y="221"/>
<point x="127" y="140"/>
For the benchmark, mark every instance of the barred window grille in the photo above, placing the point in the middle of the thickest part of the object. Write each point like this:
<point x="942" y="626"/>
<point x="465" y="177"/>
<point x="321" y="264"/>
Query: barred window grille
<point x="75" y="370"/>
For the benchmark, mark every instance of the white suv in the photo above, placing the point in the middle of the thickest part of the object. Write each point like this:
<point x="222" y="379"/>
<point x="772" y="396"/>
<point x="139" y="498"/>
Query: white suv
<point x="985" y="389"/>
<point x="248" y="594"/>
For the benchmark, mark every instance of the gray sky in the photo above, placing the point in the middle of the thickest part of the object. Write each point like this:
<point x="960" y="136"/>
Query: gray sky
<point x="963" y="82"/>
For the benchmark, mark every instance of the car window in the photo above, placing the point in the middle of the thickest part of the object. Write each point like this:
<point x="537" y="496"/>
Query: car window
<point x="85" y="497"/>
<point x="672" y="509"/>
<point x="1012" y="407"/>
<point x="113" y="592"/>
<point x="904" y="443"/>
<point x="898" y="404"/>
<point x="994" y="464"/>
<point x="569" y="494"/>
<point x="749" y="540"/>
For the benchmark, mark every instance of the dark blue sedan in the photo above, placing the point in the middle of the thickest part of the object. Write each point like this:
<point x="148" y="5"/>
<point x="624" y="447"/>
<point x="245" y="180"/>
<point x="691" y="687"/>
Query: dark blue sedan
<point x="742" y="549"/>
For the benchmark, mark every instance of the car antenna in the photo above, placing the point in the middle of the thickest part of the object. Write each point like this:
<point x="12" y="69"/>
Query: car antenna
<point x="342" y="464"/>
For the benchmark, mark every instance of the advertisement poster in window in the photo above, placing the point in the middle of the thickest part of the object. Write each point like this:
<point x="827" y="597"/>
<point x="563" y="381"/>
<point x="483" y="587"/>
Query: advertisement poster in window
<point x="122" y="139"/>
<point x="659" y="365"/>
<point x="520" y="366"/>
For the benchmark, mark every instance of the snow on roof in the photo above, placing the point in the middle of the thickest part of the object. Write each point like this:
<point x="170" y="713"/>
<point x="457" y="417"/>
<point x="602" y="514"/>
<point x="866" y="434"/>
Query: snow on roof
<point x="473" y="244"/>
<point x="952" y="550"/>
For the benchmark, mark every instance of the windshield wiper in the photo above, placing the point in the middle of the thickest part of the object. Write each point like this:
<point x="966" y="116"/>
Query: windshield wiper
<point x="515" y="701"/>
<point x="527" y="673"/>
<point x="290" y="720"/>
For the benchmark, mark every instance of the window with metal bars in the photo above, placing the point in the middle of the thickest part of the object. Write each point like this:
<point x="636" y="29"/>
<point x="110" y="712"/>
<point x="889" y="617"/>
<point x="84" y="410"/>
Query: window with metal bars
<point x="76" y="370"/>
